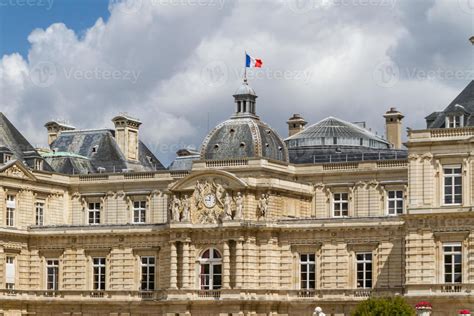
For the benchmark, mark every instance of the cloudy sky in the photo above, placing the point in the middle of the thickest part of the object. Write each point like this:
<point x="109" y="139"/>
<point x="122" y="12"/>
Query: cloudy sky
<point x="176" y="63"/>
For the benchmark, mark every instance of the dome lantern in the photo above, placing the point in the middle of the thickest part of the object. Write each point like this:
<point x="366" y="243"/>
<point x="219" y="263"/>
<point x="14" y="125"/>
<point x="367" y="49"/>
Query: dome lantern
<point x="245" y="99"/>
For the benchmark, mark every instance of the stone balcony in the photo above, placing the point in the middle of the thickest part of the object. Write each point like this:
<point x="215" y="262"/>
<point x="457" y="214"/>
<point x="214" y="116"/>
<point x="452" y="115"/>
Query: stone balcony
<point x="196" y="295"/>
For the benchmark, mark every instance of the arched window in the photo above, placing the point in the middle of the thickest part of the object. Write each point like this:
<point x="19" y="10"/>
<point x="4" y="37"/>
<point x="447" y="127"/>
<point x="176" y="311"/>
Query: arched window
<point x="210" y="274"/>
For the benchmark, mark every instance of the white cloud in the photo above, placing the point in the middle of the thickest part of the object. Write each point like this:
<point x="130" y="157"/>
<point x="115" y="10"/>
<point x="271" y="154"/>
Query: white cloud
<point x="175" y="64"/>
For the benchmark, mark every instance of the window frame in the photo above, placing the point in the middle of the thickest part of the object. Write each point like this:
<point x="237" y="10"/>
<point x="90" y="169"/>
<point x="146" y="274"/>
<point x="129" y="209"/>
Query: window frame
<point x="10" y="211"/>
<point x="95" y="212"/>
<point x="52" y="263"/>
<point x="453" y="186"/>
<point x="396" y="200"/>
<point x="139" y="212"/>
<point x="97" y="283"/>
<point x="364" y="262"/>
<point x="39" y="218"/>
<point x="212" y="262"/>
<point x="454" y="121"/>
<point x="453" y="264"/>
<point x="307" y="263"/>
<point x="340" y="202"/>
<point x="150" y="277"/>
<point x="9" y="285"/>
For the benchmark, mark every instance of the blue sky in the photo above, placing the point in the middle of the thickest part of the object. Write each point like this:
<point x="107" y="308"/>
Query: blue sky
<point x="17" y="19"/>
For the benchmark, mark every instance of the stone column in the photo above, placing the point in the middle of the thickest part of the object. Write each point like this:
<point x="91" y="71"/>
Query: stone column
<point x="226" y="266"/>
<point x="186" y="283"/>
<point x="173" y="266"/>
<point x="238" y="263"/>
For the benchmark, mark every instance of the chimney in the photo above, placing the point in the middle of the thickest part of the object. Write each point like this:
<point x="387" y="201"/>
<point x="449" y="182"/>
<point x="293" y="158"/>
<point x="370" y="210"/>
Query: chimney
<point x="55" y="128"/>
<point x="393" y="127"/>
<point x="296" y="124"/>
<point x="126" y="135"/>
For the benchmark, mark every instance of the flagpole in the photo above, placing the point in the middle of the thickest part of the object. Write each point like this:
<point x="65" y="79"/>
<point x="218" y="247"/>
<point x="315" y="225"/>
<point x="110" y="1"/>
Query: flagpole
<point x="245" y="68"/>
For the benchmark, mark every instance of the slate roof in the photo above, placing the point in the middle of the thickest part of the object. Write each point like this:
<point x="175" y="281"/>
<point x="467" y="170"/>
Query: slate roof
<point x="325" y="131"/>
<point x="13" y="142"/>
<point x="97" y="149"/>
<point x="184" y="159"/>
<point x="462" y="104"/>
<point x="243" y="137"/>
<point x="335" y="140"/>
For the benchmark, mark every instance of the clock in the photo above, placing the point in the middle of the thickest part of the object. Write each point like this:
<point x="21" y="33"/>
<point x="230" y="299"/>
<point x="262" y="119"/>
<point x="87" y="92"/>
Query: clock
<point x="210" y="200"/>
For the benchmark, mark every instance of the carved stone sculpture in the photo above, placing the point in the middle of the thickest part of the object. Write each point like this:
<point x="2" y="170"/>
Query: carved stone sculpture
<point x="263" y="205"/>
<point x="239" y="206"/>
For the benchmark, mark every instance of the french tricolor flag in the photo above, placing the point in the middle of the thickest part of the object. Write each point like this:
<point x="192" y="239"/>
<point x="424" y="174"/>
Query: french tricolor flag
<point x="252" y="62"/>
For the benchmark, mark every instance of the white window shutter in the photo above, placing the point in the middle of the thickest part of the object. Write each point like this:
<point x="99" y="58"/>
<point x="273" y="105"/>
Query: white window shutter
<point x="10" y="273"/>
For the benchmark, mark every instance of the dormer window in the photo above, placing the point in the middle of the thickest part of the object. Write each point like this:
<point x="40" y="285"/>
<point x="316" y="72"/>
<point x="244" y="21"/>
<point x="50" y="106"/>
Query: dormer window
<point x="94" y="149"/>
<point x="7" y="158"/>
<point x="454" y="121"/>
<point x="38" y="164"/>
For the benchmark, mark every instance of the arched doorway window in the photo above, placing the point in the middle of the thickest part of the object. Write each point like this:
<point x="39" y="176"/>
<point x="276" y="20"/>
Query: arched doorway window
<point x="210" y="275"/>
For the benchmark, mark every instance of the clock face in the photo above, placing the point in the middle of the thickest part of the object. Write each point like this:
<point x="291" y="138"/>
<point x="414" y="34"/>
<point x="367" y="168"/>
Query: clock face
<point x="210" y="200"/>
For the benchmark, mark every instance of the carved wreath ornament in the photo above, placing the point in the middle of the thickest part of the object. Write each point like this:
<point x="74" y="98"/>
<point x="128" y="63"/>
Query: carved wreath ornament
<point x="208" y="203"/>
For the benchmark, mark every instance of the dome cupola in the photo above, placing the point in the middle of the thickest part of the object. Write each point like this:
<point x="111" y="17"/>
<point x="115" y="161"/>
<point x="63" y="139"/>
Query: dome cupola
<point x="243" y="135"/>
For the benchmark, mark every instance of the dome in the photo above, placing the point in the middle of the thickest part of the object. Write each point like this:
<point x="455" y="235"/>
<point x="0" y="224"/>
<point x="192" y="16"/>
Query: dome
<point x="337" y="132"/>
<point x="243" y="137"/>
<point x="245" y="89"/>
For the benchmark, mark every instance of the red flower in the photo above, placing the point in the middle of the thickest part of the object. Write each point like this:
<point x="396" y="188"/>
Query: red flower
<point x="464" y="312"/>
<point x="423" y="305"/>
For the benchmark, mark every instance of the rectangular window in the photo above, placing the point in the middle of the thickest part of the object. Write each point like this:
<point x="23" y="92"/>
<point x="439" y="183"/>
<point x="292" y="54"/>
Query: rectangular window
<point x="308" y="271"/>
<point x="341" y="204"/>
<point x="454" y="121"/>
<point x="452" y="185"/>
<point x="39" y="206"/>
<point x="395" y="202"/>
<point x="364" y="270"/>
<point x="148" y="273"/>
<point x="99" y="273"/>
<point x="11" y="205"/>
<point x="94" y="213"/>
<point x="139" y="211"/>
<point x="7" y="158"/>
<point x="10" y="273"/>
<point x="452" y="263"/>
<point x="38" y="164"/>
<point x="52" y="273"/>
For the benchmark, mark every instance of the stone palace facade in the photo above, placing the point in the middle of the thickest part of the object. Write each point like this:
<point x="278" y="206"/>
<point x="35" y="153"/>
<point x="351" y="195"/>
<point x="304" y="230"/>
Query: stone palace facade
<point x="250" y="224"/>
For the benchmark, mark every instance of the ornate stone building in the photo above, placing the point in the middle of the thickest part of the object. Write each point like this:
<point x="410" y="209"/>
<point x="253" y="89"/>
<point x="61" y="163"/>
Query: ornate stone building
<point x="250" y="225"/>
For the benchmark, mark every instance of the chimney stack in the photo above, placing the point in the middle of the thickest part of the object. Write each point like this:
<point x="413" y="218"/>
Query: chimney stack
<point x="393" y="127"/>
<point x="55" y="128"/>
<point x="126" y="135"/>
<point x="296" y="124"/>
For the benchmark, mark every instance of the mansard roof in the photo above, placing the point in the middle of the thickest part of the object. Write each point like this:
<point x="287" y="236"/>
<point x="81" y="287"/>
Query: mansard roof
<point x="462" y="104"/>
<point x="97" y="149"/>
<point x="13" y="142"/>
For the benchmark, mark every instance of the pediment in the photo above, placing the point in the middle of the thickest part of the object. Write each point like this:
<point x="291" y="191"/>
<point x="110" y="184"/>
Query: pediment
<point x="226" y="179"/>
<point x="16" y="169"/>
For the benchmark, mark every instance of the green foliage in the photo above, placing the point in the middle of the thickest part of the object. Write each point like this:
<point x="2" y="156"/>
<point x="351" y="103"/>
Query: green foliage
<point x="396" y="306"/>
